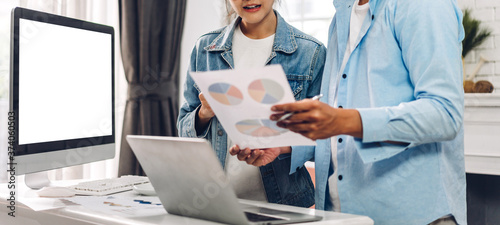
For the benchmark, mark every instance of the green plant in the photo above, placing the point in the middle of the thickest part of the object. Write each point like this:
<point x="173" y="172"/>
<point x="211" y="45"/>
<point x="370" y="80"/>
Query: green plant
<point x="474" y="34"/>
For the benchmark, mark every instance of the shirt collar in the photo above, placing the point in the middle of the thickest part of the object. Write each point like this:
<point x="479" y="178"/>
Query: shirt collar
<point x="341" y="3"/>
<point x="284" y="39"/>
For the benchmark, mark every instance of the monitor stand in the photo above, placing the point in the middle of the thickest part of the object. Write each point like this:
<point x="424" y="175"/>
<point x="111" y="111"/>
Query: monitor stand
<point x="37" y="180"/>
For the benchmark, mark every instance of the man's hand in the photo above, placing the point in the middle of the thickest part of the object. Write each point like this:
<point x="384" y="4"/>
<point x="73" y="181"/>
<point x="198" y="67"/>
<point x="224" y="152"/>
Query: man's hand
<point x="317" y="120"/>
<point x="258" y="157"/>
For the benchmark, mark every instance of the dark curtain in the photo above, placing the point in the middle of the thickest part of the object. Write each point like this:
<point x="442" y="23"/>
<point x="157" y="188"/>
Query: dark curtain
<point x="150" y="32"/>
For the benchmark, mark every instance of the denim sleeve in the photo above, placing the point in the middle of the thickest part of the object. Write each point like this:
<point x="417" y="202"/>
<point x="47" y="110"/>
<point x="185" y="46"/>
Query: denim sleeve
<point x="429" y="34"/>
<point x="317" y="67"/>
<point x="190" y="107"/>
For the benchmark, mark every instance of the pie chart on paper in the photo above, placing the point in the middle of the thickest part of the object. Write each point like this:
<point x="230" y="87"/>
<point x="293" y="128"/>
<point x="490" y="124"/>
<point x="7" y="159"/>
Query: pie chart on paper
<point x="265" y="91"/>
<point x="259" y="128"/>
<point x="225" y="93"/>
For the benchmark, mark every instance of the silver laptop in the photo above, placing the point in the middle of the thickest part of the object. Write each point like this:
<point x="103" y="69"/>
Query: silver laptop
<point x="190" y="181"/>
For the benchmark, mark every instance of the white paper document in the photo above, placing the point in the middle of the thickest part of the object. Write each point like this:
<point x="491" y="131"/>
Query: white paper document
<point x="125" y="206"/>
<point x="242" y="100"/>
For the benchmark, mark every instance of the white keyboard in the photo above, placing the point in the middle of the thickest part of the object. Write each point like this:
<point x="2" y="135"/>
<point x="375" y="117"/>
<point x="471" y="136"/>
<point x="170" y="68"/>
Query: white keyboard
<point x="108" y="186"/>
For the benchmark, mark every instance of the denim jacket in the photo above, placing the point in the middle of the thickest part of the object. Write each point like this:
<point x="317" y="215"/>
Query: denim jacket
<point x="302" y="58"/>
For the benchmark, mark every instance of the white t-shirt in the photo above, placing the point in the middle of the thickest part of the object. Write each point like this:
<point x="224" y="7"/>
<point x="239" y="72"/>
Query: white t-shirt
<point x="250" y="53"/>
<point x="246" y="179"/>
<point x="358" y="15"/>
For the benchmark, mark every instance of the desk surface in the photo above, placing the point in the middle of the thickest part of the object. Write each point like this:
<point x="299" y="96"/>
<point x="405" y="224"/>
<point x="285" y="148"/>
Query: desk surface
<point x="76" y="215"/>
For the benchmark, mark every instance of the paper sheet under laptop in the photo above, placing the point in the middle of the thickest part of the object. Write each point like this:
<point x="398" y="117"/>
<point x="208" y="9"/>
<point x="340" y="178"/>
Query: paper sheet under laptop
<point x="242" y="100"/>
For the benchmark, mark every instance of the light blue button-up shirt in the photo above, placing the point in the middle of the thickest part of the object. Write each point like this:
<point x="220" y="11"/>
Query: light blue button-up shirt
<point x="405" y="79"/>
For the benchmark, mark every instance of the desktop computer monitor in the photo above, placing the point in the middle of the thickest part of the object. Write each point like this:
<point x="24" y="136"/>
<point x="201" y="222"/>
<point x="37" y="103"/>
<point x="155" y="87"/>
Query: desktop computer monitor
<point x="62" y="91"/>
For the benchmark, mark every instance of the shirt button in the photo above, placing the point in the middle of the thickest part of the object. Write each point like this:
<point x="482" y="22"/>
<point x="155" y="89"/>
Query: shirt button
<point x="373" y="17"/>
<point x="344" y="76"/>
<point x="340" y="177"/>
<point x="340" y="107"/>
<point x="340" y="140"/>
<point x="220" y="133"/>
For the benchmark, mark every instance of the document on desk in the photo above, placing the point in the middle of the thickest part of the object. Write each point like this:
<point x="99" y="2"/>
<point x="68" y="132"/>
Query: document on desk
<point x="242" y="100"/>
<point x="40" y="204"/>
<point x="124" y="206"/>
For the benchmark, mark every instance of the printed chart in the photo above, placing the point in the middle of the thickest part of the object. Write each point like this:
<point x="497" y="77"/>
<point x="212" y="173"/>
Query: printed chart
<point x="225" y="93"/>
<point x="124" y="206"/>
<point x="259" y="128"/>
<point x="266" y="91"/>
<point x="242" y="99"/>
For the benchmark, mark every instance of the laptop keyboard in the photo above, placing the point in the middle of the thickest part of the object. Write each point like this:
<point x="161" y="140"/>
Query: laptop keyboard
<point x="253" y="217"/>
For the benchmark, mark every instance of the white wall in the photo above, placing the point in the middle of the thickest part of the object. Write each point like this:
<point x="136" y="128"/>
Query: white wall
<point x="202" y="16"/>
<point x="487" y="11"/>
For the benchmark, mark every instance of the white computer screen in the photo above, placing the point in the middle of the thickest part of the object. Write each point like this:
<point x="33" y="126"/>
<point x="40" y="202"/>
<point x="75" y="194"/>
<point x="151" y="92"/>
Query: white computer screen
<point x="65" y="83"/>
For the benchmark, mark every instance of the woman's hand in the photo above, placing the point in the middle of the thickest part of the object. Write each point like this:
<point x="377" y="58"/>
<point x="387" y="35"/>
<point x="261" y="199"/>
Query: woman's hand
<point x="205" y="114"/>
<point x="205" y="111"/>
<point x="258" y="157"/>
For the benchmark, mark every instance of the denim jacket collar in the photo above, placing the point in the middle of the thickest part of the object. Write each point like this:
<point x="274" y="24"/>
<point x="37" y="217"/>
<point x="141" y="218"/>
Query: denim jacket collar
<point x="284" y="39"/>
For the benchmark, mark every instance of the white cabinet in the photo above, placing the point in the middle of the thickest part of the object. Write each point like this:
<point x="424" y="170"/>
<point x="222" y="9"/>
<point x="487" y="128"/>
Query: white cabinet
<point x="482" y="133"/>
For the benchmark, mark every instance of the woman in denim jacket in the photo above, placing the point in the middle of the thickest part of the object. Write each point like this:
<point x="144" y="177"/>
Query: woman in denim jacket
<point x="302" y="58"/>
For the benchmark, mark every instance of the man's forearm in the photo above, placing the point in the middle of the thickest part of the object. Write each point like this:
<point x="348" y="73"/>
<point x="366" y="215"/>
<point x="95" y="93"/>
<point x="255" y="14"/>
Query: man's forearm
<point x="352" y="124"/>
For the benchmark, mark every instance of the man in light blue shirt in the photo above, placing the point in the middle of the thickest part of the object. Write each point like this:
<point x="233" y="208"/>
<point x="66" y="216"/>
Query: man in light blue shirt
<point x="392" y="114"/>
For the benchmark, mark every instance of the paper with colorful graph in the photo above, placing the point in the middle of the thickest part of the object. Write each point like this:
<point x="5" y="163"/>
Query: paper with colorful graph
<point x="242" y="100"/>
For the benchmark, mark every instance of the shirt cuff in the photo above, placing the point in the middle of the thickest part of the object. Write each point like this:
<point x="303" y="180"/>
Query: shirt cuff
<point x="374" y="122"/>
<point x="300" y="155"/>
<point x="372" y="147"/>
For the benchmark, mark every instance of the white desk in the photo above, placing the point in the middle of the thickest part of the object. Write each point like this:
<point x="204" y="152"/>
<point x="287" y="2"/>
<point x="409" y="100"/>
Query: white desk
<point x="76" y="215"/>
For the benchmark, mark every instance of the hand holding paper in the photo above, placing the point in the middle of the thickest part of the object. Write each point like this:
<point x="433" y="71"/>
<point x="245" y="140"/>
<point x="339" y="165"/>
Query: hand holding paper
<point x="288" y="115"/>
<point x="206" y="111"/>
<point x="318" y="120"/>
<point x="242" y="100"/>
<point x="257" y="157"/>
<point x="205" y="114"/>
